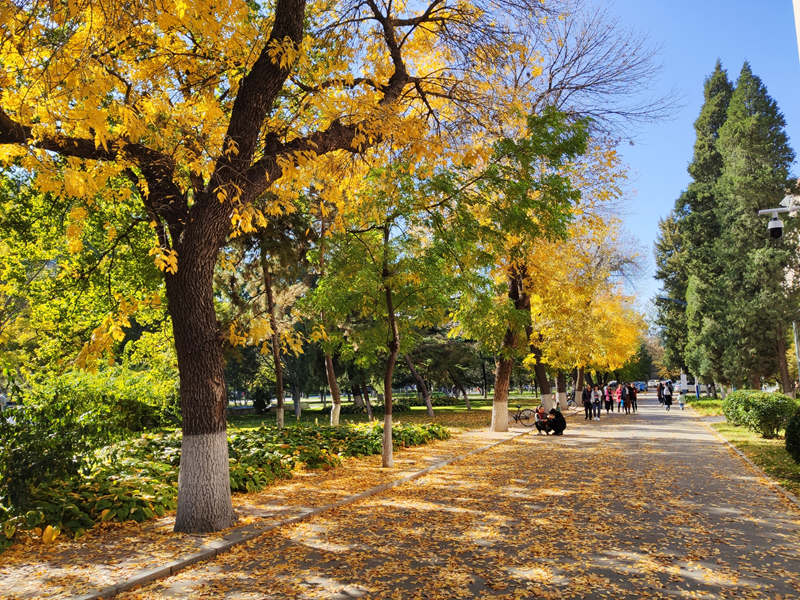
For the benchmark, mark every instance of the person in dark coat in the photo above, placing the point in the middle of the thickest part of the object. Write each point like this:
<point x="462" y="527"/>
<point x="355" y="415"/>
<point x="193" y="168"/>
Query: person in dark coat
<point x="586" y="397"/>
<point x="557" y="421"/>
<point x="634" y="405"/>
<point x="660" y="392"/>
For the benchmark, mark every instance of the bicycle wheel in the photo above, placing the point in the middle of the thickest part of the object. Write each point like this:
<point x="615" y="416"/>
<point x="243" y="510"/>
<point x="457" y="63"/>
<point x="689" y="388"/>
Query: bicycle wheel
<point x="527" y="417"/>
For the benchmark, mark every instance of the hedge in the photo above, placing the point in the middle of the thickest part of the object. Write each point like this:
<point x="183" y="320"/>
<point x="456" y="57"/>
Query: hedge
<point x="766" y="413"/>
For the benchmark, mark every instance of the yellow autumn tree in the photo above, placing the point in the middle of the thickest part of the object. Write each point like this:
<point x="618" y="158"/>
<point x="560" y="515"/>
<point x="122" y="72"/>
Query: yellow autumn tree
<point x="203" y="107"/>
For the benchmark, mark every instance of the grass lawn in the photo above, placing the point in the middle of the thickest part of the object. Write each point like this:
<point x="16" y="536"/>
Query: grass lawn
<point x="706" y="406"/>
<point x="770" y="455"/>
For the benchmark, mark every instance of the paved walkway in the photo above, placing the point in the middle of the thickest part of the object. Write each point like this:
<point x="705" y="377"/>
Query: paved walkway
<point x="646" y="506"/>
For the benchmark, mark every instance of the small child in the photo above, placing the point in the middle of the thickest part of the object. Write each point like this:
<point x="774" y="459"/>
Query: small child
<point x="682" y="398"/>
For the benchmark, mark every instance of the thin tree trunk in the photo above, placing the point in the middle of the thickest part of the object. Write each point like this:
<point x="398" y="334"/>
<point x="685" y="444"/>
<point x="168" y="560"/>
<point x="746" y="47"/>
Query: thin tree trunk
<point x="421" y="387"/>
<point x="561" y="386"/>
<point x="485" y="380"/>
<point x="387" y="456"/>
<point x="298" y="408"/>
<point x="367" y="403"/>
<point x="783" y="366"/>
<point x="336" y="399"/>
<point x="589" y="379"/>
<point x="204" y="493"/>
<point x="276" y="344"/>
<point x="578" y="382"/>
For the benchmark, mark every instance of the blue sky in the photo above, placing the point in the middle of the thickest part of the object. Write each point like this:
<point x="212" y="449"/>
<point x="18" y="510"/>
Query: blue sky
<point x="690" y="36"/>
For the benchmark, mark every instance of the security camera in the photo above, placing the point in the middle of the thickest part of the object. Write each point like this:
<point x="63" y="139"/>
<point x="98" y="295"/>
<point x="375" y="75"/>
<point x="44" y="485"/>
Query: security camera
<point x="775" y="227"/>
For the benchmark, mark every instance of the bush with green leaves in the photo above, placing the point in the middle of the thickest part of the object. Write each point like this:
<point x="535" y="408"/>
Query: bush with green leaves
<point x="136" y="479"/>
<point x="767" y="413"/>
<point x="793" y="436"/>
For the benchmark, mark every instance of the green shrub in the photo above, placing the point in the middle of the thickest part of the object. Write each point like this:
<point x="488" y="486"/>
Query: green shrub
<point x="766" y="413"/>
<point x="793" y="436"/>
<point x="733" y="406"/>
<point x="136" y="478"/>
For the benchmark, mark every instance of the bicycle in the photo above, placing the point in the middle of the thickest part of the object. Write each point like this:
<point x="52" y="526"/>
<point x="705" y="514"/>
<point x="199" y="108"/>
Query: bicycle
<point x="525" y="417"/>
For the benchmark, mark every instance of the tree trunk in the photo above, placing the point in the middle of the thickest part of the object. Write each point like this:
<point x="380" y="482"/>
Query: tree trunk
<point x="485" y="380"/>
<point x="387" y="457"/>
<point x="276" y="343"/>
<point x="204" y="493"/>
<point x="755" y="381"/>
<point x="296" y="401"/>
<point x="561" y="386"/>
<point x="783" y="366"/>
<point x="358" y="398"/>
<point x="336" y="399"/>
<point x="502" y="378"/>
<point x="589" y="379"/>
<point x="505" y="362"/>
<point x="578" y="382"/>
<point x="367" y="403"/>
<point x="421" y="387"/>
<point x="542" y="379"/>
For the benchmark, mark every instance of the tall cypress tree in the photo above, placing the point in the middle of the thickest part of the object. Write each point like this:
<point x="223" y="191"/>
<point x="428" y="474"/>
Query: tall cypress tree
<point x="670" y="256"/>
<point x="700" y="229"/>
<point x="756" y="158"/>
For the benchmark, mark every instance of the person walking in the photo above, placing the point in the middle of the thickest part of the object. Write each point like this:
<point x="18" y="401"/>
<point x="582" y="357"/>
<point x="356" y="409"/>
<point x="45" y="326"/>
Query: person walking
<point x="668" y="395"/>
<point x="586" y="397"/>
<point x="619" y="397"/>
<point x="634" y="405"/>
<point x="626" y="398"/>
<point x="660" y="392"/>
<point x="607" y="398"/>
<point x="596" y="400"/>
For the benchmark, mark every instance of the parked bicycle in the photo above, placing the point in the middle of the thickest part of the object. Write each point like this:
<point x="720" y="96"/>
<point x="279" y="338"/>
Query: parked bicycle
<point x="525" y="417"/>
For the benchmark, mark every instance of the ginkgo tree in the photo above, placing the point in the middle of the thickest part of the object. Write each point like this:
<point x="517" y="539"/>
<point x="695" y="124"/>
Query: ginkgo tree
<point x="203" y="107"/>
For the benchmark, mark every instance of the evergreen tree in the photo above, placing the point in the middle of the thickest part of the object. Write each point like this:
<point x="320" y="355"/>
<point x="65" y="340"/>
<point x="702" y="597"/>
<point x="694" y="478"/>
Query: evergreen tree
<point x="755" y="174"/>
<point x="670" y="258"/>
<point x="700" y="228"/>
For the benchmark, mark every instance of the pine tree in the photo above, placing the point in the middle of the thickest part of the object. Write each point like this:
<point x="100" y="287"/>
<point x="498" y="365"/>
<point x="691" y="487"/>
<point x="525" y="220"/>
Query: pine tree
<point x="756" y="158"/>
<point x="700" y="228"/>
<point x="670" y="258"/>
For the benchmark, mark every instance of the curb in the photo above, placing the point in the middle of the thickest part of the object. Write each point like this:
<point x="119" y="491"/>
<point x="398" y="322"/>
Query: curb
<point x="777" y="487"/>
<point x="252" y="531"/>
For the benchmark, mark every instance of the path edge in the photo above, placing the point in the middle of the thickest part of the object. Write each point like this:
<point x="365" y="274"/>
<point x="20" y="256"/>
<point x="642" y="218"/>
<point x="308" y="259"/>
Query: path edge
<point x="246" y="533"/>
<point x="782" y="491"/>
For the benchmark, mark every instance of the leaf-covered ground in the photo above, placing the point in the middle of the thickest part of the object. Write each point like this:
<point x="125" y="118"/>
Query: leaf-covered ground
<point x="650" y="506"/>
<point x="647" y="506"/>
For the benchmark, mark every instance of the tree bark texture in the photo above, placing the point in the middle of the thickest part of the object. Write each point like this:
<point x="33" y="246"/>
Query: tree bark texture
<point x="502" y="378"/>
<point x="579" y="381"/>
<point x="505" y="362"/>
<point x="204" y="494"/>
<point x="423" y="389"/>
<point x="336" y="405"/>
<point x="387" y="457"/>
<point x="275" y="339"/>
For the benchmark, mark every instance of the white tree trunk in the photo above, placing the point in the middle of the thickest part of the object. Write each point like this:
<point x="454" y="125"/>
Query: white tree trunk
<point x="335" y="410"/>
<point x="387" y="455"/>
<point x="279" y="417"/>
<point x="499" y="415"/>
<point x="562" y="401"/>
<point x="204" y="484"/>
<point x="548" y="401"/>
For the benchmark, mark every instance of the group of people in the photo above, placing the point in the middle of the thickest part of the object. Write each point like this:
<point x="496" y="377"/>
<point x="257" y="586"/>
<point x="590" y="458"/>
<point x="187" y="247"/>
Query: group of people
<point x="595" y="398"/>
<point x="665" y="391"/>
<point x="550" y="422"/>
